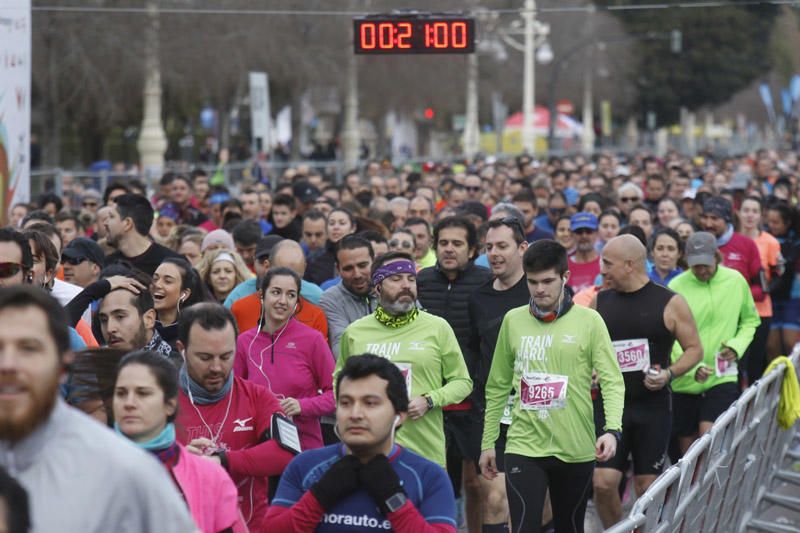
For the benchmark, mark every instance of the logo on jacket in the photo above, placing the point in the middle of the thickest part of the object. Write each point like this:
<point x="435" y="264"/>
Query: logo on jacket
<point x="241" y="424"/>
<point x="568" y="339"/>
<point x="416" y="346"/>
<point x="291" y="345"/>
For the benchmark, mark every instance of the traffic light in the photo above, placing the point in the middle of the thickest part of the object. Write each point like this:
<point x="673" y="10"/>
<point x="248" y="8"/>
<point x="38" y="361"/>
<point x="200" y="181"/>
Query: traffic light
<point x="429" y="114"/>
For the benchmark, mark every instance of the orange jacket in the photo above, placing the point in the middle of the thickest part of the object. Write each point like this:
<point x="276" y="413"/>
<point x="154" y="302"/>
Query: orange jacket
<point x="247" y="311"/>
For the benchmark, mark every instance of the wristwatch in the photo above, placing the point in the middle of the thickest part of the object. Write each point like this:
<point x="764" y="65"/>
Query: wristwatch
<point x="617" y="434"/>
<point x="223" y="457"/>
<point x="395" y="501"/>
<point x="429" y="401"/>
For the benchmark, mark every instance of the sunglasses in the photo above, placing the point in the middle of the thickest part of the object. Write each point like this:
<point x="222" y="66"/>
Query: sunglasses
<point x="9" y="269"/>
<point x="472" y="189"/>
<point x="73" y="260"/>
<point x="557" y="211"/>
<point x="514" y="224"/>
<point x="394" y="243"/>
<point x="89" y="204"/>
<point x="626" y="199"/>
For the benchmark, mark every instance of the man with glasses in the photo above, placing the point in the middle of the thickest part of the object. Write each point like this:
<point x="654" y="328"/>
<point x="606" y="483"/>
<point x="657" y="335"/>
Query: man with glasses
<point x="584" y="264"/>
<point x="474" y="186"/>
<point x="505" y="246"/>
<point x="402" y="240"/>
<point x="83" y="260"/>
<point x="556" y="207"/>
<point x="90" y="201"/>
<point x="16" y="261"/>
<point x="628" y="195"/>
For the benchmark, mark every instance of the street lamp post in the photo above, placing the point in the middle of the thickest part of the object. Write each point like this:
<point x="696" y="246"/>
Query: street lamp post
<point x="351" y="137"/>
<point x="535" y="37"/>
<point x="529" y="79"/>
<point x="152" y="143"/>
<point x="471" y="127"/>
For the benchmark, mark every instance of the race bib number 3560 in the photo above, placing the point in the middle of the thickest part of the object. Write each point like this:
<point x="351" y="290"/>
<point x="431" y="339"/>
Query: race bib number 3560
<point x="543" y="391"/>
<point x="632" y="354"/>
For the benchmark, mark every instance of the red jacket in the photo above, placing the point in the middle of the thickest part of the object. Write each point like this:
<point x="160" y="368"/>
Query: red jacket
<point x="741" y="253"/>
<point x="251" y="459"/>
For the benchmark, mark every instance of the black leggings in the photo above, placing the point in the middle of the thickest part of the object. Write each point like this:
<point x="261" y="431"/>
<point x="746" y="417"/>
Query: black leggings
<point x="527" y="480"/>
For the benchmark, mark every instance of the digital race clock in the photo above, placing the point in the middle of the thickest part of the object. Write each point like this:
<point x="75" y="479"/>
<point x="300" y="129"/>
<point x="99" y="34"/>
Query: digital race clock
<point x="414" y="34"/>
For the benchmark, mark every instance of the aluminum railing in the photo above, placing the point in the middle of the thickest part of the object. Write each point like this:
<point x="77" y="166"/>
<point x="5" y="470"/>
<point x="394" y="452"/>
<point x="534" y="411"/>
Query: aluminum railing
<point x="731" y="475"/>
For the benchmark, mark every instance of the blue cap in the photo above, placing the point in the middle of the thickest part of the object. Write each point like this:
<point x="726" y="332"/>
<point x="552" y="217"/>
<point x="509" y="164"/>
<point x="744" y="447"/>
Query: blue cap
<point x="583" y="221"/>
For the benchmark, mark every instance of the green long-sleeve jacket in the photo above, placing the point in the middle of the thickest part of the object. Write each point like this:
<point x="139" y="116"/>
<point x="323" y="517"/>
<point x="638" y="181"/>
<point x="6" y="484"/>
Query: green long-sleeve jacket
<point x="725" y="315"/>
<point x="570" y="346"/>
<point x="427" y="350"/>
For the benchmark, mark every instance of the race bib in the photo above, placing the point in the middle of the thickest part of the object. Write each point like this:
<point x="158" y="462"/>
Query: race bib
<point x="725" y="368"/>
<point x="405" y="369"/>
<point x="632" y="354"/>
<point x="506" y="418"/>
<point x="539" y="391"/>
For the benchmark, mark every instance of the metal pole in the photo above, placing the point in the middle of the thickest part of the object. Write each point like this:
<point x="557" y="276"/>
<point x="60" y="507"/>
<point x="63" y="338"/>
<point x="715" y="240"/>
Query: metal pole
<point x="152" y="142"/>
<point x="351" y="139"/>
<point x="471" y="127"/>
<point x="587" y="134"/>
<point x="529" y="79"/>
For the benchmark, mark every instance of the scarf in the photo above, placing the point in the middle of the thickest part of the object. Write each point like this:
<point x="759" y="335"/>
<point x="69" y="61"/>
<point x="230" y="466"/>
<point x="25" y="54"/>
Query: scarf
<point x="159" y="345"/>
<point x="197" y="394"/>
<point x="162" y="441"/>
<point x="726" y="237"/>
<point x="393" y="321"/>
<point x="549" y="316"/>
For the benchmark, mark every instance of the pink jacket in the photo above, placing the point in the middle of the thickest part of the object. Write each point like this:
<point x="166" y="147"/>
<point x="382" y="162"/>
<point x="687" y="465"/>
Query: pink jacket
<point x="295" y="363"/>
<point x="210" y="493"/>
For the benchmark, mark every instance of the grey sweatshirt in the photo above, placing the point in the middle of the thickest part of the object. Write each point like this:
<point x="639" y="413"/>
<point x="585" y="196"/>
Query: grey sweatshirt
<point x="342" y="308"/>
<point x="80" y="476"/>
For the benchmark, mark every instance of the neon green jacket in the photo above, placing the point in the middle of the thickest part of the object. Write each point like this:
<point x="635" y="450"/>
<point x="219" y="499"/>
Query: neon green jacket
<point x="428" y="347"/>
<point x="571" y="346"/>
<point x="725" y="315"/>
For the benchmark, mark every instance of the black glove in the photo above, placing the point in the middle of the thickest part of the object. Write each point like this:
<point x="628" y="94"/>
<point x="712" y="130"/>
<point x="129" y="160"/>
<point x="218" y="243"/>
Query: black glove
<point x="340" y="481"/>
<point x="380" y="481"/>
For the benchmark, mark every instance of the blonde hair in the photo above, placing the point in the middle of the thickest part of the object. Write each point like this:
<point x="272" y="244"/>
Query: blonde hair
<point x="210" y="257"/>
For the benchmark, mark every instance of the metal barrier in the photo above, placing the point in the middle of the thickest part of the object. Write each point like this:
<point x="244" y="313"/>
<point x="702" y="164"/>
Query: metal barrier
<point x="728" y="476"/>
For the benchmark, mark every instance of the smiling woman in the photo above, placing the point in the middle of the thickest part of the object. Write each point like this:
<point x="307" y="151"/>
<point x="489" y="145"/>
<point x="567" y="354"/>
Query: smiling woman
<point x="175" y="285"/>
<point x="287" y="357"/>
<point x="221" y="271"/>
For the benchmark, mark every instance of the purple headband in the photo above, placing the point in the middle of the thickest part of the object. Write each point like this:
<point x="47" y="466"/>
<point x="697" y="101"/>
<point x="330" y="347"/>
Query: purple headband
<point x="395" y="267"/>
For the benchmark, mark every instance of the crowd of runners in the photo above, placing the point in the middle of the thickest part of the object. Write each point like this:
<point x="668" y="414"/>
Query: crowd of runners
<point x="482" y="346"/>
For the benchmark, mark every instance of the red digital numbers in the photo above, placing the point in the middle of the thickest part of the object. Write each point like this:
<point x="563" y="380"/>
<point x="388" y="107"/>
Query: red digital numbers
<point x="404" y="31"/>
<point x="446" y="35"/>
<point x="385" y="35"/>
<point x="414" y="35"/>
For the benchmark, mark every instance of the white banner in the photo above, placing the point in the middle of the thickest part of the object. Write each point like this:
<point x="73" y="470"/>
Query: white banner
<point x="15" y="103"/>
<point x="260" y="109"/>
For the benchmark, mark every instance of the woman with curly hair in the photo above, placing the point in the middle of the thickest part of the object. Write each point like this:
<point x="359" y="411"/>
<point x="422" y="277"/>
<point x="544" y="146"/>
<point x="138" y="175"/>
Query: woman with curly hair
<point x="222" y="270"/>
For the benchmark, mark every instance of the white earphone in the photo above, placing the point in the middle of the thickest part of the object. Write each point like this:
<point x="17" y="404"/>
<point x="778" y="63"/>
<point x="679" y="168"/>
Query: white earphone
<point x="396" y="420"/>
